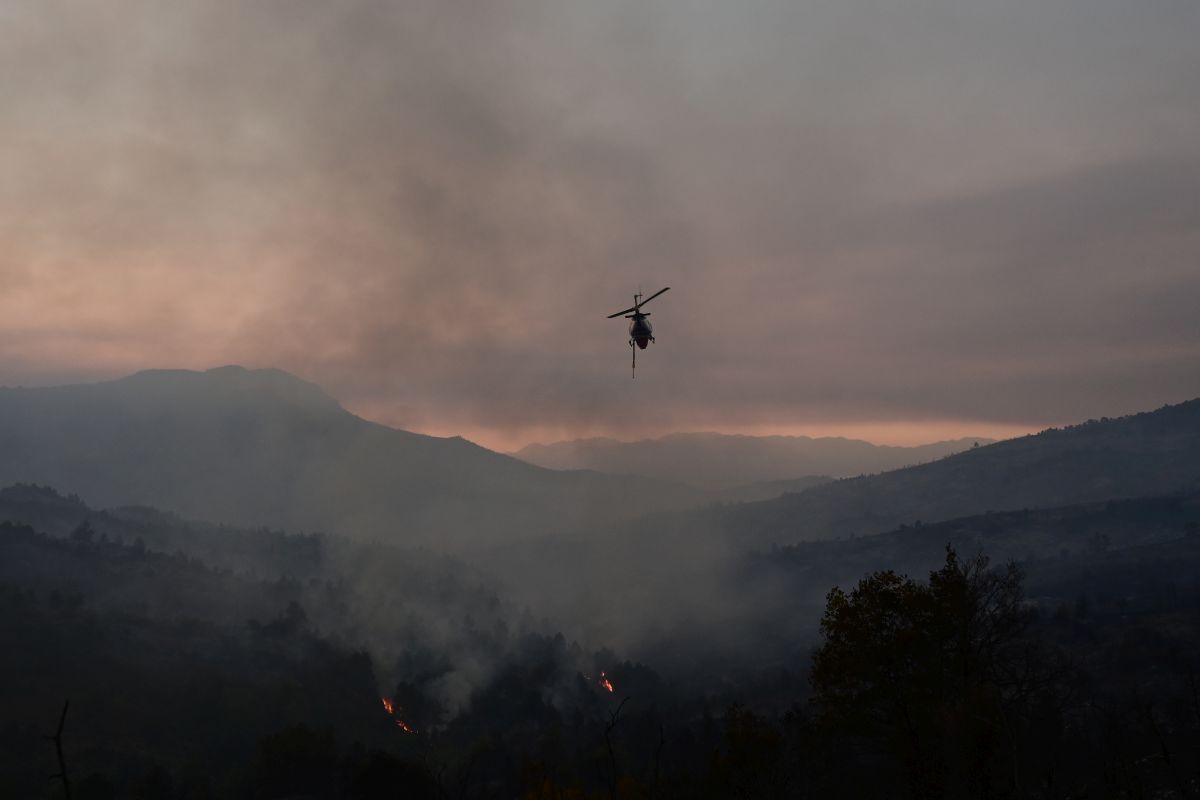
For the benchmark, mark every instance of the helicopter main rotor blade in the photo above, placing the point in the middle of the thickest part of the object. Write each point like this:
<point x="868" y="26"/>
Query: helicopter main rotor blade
<point x="651" y="297"/>
<point x="639" y="305"/>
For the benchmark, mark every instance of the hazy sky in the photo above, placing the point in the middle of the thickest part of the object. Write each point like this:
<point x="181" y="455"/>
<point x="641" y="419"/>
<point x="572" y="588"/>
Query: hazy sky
<point x="897" y="218"/>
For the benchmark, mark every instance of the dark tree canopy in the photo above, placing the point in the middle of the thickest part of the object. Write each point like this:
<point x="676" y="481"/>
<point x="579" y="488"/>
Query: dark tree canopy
<point x="922" y="673"/>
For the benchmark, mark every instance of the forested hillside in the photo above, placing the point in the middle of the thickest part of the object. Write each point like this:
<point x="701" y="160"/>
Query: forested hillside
<point x="206" y="661"/>
<point x="699" y="653"/>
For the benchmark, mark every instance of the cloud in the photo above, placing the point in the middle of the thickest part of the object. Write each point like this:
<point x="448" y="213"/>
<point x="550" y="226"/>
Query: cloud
<point x="918" y="211"/>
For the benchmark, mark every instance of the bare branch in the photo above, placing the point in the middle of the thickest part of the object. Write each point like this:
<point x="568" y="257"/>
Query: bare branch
<point x="613" y="718"/>
<point x="62" y="762"/>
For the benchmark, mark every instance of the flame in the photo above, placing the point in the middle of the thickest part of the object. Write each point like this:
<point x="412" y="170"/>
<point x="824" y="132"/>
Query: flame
<point x="606" y="683"/>
<point x="392" y="709"/>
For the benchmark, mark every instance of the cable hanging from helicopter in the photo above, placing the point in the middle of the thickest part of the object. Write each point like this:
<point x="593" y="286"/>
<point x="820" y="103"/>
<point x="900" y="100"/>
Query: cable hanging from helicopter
<point x="641" y="332"/>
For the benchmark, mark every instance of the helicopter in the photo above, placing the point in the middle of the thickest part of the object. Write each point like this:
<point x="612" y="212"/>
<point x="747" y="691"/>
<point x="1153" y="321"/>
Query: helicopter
<point x="640" y="331"/>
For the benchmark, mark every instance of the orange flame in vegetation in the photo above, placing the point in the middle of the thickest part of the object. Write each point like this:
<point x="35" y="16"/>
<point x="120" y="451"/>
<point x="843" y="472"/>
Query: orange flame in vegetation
<point x="606" y="683"/>
<point x="390" y="707"/>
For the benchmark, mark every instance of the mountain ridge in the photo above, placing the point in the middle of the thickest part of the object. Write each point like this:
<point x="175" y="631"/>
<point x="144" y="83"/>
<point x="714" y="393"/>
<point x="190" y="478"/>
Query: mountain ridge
<point x="262" y="447"/>
<point x="1147" y="453"/>
<point x="714" y="460"/>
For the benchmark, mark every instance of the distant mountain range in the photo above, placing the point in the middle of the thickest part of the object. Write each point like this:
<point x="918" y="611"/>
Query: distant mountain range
<point x="264" y="448"/>
<point x="722" y="461"/>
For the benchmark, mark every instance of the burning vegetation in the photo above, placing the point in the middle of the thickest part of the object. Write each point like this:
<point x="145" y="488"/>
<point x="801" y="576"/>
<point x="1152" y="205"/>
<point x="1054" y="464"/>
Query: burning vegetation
<point x="394" y="711"/>
<point x="603" y="682"/>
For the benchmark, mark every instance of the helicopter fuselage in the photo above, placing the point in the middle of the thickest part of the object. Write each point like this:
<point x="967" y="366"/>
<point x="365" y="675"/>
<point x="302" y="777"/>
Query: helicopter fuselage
<point x="640" y="330"/>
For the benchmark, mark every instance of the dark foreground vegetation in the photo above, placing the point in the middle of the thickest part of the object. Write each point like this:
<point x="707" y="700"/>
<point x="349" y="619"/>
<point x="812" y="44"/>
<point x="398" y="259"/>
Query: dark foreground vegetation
<point x="203" y="661"/>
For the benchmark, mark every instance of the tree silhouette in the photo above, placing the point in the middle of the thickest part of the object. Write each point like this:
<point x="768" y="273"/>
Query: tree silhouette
<point x="922" y="674"/>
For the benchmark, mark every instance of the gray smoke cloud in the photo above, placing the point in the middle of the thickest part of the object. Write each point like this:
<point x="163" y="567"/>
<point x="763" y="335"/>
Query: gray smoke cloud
<point x="868" y="212"/>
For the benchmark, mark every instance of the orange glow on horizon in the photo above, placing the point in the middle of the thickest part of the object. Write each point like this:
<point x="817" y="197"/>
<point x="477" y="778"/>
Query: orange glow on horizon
<point x="894" y="433"/>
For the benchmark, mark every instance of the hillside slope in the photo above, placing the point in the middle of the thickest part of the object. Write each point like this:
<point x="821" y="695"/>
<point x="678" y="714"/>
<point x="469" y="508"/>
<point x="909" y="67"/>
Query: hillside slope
<point x="1145" y="454"/>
